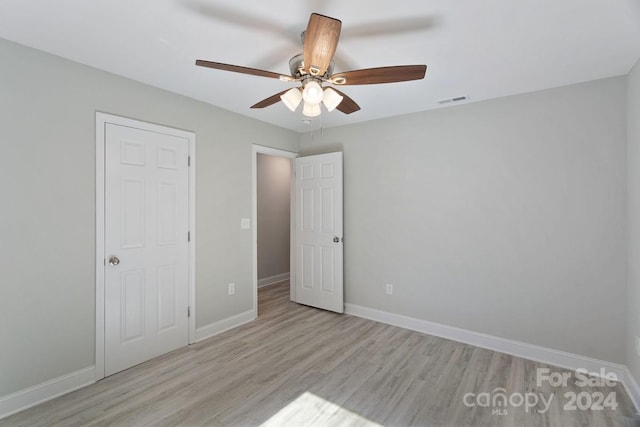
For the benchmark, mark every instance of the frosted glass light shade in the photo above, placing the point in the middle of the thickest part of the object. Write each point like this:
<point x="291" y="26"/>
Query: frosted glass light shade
<point x="312" y="93"/>
<point x="331" y="99"/>
<point x="311" y="110"/>
<point x="292" y="98"/>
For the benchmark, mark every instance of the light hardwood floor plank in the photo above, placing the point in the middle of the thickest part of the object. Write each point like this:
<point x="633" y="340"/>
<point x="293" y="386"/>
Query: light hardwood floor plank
<point x="297" y="365"/>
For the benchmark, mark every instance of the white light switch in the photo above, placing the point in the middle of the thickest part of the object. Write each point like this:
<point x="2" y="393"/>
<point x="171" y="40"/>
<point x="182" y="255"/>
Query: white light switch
<point x="245" y="223"/>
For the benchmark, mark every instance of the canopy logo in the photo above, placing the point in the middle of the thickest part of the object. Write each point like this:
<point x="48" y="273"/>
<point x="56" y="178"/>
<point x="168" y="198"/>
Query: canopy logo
<point x="501" y="402"/>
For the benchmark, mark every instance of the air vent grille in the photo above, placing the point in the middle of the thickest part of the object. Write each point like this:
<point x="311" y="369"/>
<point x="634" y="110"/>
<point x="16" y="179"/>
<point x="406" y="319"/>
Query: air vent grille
<point x="449" y="100"/>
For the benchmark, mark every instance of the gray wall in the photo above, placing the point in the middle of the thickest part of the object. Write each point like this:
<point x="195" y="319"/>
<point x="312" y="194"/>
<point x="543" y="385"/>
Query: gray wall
<point x="47" y="213"/>
<point x="274" y="204"/>
<point x="633" y="164"/>
<point x="506" y="217"/>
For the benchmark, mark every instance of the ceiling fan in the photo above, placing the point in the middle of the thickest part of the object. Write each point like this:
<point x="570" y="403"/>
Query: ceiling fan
<point x="314" y="67"/>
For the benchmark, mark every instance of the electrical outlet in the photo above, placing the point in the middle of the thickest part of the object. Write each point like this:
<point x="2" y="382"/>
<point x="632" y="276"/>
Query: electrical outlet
<point x="232" y="288"/>
<point x="245" y="223"/>
<point x="389" y="289"/>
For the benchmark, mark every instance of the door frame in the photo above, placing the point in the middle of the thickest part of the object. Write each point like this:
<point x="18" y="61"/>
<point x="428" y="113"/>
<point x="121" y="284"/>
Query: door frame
<point x="101" y="120"/>
<point x="262" y="149"/>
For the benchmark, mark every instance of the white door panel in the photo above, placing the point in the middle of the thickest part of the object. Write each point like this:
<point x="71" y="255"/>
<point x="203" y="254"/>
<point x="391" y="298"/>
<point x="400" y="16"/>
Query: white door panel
<point x="318" y="216"/>
<point x="146" y="217"/>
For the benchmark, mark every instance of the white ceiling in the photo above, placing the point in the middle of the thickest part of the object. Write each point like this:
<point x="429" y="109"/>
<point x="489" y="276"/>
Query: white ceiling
<point x="479" y="48"/>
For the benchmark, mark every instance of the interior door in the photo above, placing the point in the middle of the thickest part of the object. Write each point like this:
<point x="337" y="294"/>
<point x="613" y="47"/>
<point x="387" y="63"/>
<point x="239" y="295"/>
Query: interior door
<point x="318" y="231"/>
<point x="146" y="247"/>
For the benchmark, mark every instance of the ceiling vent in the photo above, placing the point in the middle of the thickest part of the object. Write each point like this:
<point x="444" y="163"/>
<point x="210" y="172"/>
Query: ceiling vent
<point x="456" y="99"/>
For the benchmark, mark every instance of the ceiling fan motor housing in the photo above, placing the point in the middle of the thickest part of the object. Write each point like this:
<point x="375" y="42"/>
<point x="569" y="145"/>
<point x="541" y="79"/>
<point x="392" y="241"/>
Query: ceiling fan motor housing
<point x="296" y="66"/>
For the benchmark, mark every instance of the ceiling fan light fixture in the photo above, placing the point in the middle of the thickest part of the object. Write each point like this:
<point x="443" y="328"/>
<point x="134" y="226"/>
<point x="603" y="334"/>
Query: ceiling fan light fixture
<point x="311" y="110"/>
<point x="331" y="99"/>
<point x="292" y="98"/>
<point x="312" y="93"/>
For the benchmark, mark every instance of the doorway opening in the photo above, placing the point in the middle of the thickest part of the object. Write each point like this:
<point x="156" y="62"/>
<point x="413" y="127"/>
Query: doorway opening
<point x="272" y="231"/>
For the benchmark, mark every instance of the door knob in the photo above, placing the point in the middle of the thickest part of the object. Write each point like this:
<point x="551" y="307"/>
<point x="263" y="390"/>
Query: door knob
<point x="114" y="260"/>
<point x="336" y="239"/>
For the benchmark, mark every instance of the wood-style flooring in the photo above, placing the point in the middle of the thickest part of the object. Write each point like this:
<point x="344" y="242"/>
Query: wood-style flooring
<point x="299" y="366"/>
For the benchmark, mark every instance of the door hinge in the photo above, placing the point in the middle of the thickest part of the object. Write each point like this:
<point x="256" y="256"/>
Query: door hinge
<point x="188" y="161"/>
<point x="188" y="236"/>
<point x="188" y="311"/>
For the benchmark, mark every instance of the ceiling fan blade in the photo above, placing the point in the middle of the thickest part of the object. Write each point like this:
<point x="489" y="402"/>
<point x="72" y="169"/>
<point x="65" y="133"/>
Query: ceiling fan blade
<point x="239" y="17"/>
<point x="269" y="101"/>
<point x="370" y="76"/>
<point x="389" y="27"/>
<point x="347" y="105"/>
<point x="242" y="70"/>
<point x="320" y="42"/>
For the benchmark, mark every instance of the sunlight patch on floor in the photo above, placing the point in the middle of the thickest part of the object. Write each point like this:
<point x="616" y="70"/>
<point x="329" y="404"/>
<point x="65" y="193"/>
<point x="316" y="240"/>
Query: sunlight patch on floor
<point x="311" y="410"/>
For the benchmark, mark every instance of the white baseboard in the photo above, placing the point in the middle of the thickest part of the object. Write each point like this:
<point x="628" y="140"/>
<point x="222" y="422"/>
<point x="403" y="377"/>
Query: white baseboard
<point x="631" y="385"/>
<point x="536" y="353"/>
<point x="273" y="279"/>
<point x="47" y="390"/>
<point x="51" y="389"/>
<point x="224" y="325"/>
